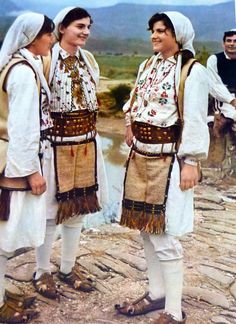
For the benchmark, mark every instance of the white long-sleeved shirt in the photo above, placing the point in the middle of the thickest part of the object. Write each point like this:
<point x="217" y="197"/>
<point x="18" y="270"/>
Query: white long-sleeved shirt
<point x="26" y="224"/>
<point x="23" y="122"/>
<point x="218" y="89"/>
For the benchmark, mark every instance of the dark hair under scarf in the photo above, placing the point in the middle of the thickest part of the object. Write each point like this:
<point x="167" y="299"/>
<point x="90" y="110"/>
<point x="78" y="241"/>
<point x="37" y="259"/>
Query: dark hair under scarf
<point x="186" y="54"/>
<point x="75" y="14"/>
<point x="161" y="17"/>
<point x="48" y="27"/>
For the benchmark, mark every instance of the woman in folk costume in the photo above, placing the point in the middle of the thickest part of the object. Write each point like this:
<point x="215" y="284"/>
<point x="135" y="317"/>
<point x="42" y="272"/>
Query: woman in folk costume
<point x="22" y="203"/>
<point x="168" y="136"/>
<point x="73" y="164"/>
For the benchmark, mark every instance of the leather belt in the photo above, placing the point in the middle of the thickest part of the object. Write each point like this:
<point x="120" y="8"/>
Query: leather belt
<point x="72" y="124"/>
<point x="150" y="134"/>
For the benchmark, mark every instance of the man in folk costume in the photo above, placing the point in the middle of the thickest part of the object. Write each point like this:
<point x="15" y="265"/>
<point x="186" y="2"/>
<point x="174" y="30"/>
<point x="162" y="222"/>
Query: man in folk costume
<point x="166" y="121"/>
<point x="222" y="71"/>
<point x="23" y="89"/>
<point x="73" y="163"/>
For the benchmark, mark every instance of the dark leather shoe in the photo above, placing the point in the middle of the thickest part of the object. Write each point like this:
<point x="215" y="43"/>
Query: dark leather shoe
<point x="142" y="305"/>
<point x="166" y="318"/>
<point x="25" y="301"/>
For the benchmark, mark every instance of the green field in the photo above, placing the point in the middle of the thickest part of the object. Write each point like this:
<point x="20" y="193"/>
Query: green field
<point x="119" y="67"/>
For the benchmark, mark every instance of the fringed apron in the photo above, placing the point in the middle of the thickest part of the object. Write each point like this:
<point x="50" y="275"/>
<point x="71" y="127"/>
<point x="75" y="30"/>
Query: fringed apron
<point x="75" y="164"/>
<point x="147" y="180"/>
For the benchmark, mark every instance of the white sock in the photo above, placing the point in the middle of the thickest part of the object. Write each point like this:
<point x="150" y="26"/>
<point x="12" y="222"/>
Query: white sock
<point x="43" y="252"/>
<point x="3" y="268"/>
<point x="70" y="242"/>
<point x="154" y="271"/>
<point x="173" y="277"/>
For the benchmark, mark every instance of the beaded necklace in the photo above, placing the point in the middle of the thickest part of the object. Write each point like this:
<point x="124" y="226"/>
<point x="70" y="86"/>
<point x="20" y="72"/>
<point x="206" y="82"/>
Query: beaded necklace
<point x="71" y="65"/>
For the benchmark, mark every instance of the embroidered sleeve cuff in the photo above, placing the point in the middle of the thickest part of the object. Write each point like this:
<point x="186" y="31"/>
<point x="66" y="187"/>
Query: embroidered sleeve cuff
<point x="191" y="161"/>
<point x="127" y="119"/>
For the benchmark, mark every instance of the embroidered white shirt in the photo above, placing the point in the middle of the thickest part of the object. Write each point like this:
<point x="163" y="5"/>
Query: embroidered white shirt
<point x="72" y="87"/>
<point x="155" y="95"/>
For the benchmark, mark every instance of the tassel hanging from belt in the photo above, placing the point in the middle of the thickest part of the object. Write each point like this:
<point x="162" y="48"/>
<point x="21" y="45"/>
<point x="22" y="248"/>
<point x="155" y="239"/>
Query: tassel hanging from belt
<point x="5" y="199"/>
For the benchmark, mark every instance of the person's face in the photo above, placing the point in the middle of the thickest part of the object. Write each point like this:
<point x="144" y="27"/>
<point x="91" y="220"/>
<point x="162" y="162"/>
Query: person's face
<point x="229" y="45"/>
<point x="163" y="41"/>
<point x="42" y="45"/>
<point x="77" y="33"/>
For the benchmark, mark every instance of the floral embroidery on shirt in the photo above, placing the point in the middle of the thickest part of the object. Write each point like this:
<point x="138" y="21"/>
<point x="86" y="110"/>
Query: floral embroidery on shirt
<point x="135" y="108"/>
<point x="166" y="86"/>
<point x="163" y="101"/>
<point x="45" y="120"/>
<point x="155" y="94"/>
<point x="152" y="113"/>
<point x="164" y="94"/>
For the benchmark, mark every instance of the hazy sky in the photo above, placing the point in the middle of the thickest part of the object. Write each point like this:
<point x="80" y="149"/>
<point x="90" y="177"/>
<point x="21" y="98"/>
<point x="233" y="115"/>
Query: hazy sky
<point x="166" y="2"/>
<point x="104" y="3"/>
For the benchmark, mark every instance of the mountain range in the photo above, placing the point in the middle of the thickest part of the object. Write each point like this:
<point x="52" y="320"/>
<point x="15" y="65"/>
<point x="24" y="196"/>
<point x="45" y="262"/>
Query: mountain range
<point x="129" y="21"/>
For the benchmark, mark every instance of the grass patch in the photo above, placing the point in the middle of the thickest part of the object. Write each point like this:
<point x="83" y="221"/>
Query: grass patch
<point x="119" y="67"/>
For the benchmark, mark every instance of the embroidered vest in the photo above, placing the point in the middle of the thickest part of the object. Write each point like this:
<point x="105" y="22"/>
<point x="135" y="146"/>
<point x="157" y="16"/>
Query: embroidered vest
<point x="227" y="71"/>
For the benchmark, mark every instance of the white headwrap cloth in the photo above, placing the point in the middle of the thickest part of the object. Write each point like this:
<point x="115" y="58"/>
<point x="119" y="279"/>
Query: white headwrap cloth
<point x="21" y="33"/>
<point x="57" y="21"/>
<point x="184" y="34"/>
<point x="59" y="18"/>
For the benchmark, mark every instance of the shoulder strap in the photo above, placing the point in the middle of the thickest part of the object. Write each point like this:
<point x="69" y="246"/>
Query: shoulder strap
<point x="7" y="69"/>
<point x="185" y="71"/>
<point x="46" y="66"/>
<point x="14" y="61"/>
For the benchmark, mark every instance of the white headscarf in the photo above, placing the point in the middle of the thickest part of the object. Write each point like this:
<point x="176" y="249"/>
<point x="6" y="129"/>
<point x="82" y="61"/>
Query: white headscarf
<point x="59" y="18"/>
<point x="57" y="21"/>
<point x="21" y="33"/>
<point x="184" y="34"/>
<point x="183" y="27"/>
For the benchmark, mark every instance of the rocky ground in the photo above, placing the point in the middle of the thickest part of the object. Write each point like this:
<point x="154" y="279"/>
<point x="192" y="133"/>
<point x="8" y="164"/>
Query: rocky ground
<point x="114" y="256"/>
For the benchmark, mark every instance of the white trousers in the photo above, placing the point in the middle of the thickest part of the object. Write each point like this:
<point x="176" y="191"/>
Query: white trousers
<point x="164" y="257"/>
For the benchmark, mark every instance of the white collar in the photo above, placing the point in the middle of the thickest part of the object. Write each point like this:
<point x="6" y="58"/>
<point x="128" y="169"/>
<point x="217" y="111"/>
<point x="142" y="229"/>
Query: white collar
<point x="64" y="54"/>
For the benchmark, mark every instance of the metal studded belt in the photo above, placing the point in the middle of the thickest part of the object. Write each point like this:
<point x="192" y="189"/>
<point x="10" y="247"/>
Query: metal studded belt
<point x="150" y="134"/>
<point x="72" y="124"/>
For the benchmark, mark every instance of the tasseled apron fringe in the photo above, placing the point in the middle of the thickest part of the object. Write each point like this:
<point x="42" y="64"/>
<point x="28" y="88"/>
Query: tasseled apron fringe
<point x="146" y="187"/>
<point x="80" y="205"/>
<point x="143" y="221"/>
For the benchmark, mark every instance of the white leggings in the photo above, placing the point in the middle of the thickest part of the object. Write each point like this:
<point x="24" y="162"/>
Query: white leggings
<point x="70" y="234"/>
<point x="3" y="267"/>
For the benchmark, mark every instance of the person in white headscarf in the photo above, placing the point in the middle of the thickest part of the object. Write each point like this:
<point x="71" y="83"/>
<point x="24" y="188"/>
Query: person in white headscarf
<point x="22" y="202"/>
<point x="168" y="137"/>
<point x="74" y="166"/>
